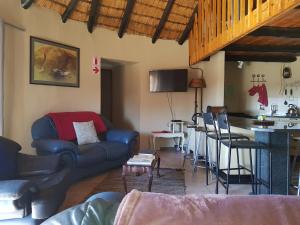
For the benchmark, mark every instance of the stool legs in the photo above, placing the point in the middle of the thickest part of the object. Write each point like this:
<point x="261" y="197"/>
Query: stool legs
<point x="218" y="152"/>
<point x="295" y="158"/>
<point x="206" y="161"/>
<point x="124" y="178"/>
<point x="228" y="170"/>
<point x="251" y="171"/>
<point x="158" y="166"/>
<point x="238" y="164"/>
<point x="150" y="175"/>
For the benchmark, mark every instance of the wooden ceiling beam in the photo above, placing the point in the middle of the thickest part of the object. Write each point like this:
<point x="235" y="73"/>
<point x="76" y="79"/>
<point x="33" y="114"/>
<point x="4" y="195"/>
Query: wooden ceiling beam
<point x="126" y="17"/>
<point x="69" y="10"/>
<point x="266" y="58"/>
<point x="188" y="28"/>
<point x="163" y="20"/>
<point x="26" y="3"/>
<point x="93" y="15"/>
<point x="263" y="48"/>
<point x="282" y="32"/>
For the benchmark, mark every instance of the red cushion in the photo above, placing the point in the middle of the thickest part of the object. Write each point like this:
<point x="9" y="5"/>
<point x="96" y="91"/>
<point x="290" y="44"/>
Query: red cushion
<point x="64" y="123"/>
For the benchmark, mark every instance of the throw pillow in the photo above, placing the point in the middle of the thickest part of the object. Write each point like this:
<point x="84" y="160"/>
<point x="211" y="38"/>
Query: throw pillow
<point x="85" y="132"/>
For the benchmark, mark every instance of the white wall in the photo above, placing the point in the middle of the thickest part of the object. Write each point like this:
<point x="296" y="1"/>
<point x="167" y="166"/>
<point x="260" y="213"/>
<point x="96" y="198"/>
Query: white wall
<point x="25" y="102"/>
<point x="237" y="84"/>
<point x="138" y="108"/>
<point x="214" y="76"/>
<point x="1" y="73"/>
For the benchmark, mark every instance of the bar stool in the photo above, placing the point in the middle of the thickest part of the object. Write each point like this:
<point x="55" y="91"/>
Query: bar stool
<point x="211" y="132"/>
<point x="223" y="125"/>
<point x="297" y="140"/>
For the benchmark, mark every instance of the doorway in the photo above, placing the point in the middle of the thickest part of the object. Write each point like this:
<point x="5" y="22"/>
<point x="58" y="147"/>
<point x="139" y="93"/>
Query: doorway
<point x="106" y="93"/>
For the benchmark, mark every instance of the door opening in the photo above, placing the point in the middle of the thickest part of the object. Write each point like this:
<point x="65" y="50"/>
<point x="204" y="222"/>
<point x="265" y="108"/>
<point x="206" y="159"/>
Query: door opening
<point x="106" y="93"/>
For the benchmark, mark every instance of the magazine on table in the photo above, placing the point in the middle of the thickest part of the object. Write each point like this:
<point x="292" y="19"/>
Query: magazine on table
<point x="141" y="159"/>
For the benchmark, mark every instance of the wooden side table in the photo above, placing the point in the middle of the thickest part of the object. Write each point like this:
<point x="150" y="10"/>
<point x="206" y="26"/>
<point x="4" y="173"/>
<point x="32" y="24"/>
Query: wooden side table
<point x="140" y="169"/>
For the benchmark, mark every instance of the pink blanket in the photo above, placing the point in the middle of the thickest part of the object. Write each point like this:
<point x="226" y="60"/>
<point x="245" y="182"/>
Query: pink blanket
<point x="139" y="208"/>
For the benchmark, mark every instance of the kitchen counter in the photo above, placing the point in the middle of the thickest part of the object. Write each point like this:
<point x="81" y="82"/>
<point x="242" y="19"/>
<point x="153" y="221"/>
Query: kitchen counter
<point x="273" y="162"/>
<point x="279" y="126"/>
<point x="245" y="115"/>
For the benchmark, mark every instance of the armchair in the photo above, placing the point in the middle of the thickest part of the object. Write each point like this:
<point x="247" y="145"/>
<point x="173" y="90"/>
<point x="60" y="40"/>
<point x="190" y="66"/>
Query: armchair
<point x="32" y="187"/>
<point x="114" y="148"/>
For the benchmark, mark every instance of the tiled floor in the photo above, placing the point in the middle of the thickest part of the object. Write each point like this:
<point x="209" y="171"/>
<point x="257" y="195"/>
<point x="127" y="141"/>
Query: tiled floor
<point x="195" y="181"/>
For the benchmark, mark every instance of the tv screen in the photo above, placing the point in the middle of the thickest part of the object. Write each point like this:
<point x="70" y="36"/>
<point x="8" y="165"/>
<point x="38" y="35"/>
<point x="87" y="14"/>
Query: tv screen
<point x="168" y="80"/>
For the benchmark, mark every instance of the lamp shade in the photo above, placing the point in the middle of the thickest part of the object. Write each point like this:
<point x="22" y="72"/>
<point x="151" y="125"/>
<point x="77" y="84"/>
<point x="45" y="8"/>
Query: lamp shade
<point x="197" y="83"/>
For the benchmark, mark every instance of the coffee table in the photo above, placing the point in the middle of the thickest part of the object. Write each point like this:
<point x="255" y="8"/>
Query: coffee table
<point x="141" y="169"/>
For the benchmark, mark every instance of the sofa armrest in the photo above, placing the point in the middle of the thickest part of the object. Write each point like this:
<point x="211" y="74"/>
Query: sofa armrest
<point x="32" y="165"/>
<point x="66" y="150"/>
<point x="123" y="136"/>
<point x="11" y="190"/>
<point x="53" y="146"/>
<point x="15" y="198"/>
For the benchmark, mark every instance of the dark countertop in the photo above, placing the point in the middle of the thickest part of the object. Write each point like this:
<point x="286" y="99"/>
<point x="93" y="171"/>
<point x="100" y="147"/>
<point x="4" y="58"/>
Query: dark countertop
<point x="248" y="124"/>
<point x="244" y="115"/>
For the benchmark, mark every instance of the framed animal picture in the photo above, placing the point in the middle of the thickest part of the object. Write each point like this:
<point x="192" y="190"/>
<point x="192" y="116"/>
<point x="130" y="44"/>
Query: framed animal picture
<point x="52" y="63"/>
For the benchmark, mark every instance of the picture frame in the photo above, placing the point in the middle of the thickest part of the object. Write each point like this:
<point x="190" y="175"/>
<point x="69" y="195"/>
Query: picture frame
<point x="53" y="63"/>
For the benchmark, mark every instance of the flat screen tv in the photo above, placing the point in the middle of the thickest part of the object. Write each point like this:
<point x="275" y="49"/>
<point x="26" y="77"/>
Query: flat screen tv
<point x="168" y="80"/>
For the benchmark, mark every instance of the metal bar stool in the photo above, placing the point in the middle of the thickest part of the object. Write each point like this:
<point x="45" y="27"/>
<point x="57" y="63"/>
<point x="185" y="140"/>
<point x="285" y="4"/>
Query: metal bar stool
<point x="223" y="125"/>
<point x="211" y="132"/>
<point x="297" y="140"/>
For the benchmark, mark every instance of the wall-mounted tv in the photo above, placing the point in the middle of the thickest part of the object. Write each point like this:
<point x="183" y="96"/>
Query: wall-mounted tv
<point x="168" y="80"/>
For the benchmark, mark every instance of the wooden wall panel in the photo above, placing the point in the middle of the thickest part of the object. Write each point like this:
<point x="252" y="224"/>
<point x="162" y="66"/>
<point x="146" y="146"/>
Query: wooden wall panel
<point x="221" y="22"/>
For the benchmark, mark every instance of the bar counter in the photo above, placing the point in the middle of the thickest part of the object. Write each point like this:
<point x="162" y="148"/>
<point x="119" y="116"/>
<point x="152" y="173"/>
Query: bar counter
<point x="277" y="138"/>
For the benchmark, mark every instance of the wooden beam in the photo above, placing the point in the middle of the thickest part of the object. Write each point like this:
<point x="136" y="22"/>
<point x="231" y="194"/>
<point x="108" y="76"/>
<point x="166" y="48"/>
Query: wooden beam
<point x="283" y="32"/>
<point x="264" y="48"/>
<point x="188" y="28"/>
<point x="26" y="3"/>
<point x="93" y="15"/>
<point x="126" y="17"/>
<point x="70" y="8"/>
<point x="267" y="58"/>
<point x="163" y="20"/>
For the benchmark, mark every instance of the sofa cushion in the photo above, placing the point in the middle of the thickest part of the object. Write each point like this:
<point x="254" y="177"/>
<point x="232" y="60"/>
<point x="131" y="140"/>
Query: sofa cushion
<point x="90" y="154"/>
<point x="95" y="212"/>
<point x="115" y="150"/>
<point x="85" y="132"/>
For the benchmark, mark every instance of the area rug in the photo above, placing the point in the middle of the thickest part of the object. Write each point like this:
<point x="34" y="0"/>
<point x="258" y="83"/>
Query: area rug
<point x="171" y="181"/>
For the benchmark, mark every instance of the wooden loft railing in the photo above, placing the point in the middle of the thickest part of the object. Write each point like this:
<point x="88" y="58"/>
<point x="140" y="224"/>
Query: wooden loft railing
<point x="221" y="22"/>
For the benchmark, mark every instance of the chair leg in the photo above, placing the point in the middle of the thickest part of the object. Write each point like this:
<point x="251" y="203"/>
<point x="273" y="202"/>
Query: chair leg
<point x="270" y="172"/>
<point x="295" y="158"/>
<point x="256" y="172"/>
<point x="218" y="149"/>
<point x="238" y="163"/>
<point x="251" y="171"/>
<point x="298" y="191"/>
<point x="206" y="161"/>
<point x="228" y="170"/>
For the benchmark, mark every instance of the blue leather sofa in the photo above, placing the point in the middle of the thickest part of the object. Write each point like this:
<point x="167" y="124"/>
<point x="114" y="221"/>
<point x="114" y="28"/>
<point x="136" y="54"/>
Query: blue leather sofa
<point x="31" y="187"/>
<point x="100" y="208"/>
<point x="115" y="148"/>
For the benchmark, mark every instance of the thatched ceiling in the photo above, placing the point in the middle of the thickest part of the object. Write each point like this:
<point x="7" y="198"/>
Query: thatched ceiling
<point x="164" y="19"/>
